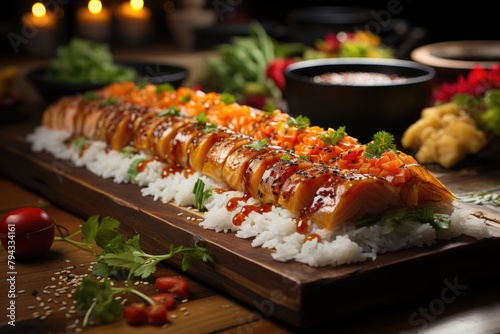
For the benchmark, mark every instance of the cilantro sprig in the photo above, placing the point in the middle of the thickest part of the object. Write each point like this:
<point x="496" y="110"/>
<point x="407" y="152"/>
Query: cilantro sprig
<point x="116" y="255"/>
<point x="98" y="298"/>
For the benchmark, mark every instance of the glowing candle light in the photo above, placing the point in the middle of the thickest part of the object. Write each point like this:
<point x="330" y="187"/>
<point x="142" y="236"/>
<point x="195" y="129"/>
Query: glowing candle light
<point x="93" y="21"/>
<point x="133" y="20"/>
<point x="42" y="27"/>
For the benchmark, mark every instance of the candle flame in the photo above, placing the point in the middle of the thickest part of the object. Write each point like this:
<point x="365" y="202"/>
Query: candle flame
<point x="38" y="10"/>
<point x="137" y="4"/>
<point x="95" y="6"/>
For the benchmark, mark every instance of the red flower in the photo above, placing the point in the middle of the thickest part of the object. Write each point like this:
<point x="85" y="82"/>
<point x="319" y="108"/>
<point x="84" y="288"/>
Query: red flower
<point x="476" y="83"/>
<point x="276" y="71"/>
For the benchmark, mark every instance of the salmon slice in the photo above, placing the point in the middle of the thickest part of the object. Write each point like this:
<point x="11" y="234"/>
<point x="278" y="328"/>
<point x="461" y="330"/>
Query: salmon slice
<point x="343" y="198"/>
<point x="299" y="189"/>
<point x="274" y="176"/>
<point x="163" y="134"/>
<point x="218" y="153"/>
<point x="236" y="165"/>
<point x="179" y="145"/>
<point x="144" y="130"/>
<point x="201" y="145"/>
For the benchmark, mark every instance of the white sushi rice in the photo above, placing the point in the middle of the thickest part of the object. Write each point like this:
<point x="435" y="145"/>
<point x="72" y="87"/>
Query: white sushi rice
<point x="276" y="229"/>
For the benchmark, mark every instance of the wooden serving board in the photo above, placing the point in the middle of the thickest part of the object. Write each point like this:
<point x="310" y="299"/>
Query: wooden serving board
<point x="291" y="292"/>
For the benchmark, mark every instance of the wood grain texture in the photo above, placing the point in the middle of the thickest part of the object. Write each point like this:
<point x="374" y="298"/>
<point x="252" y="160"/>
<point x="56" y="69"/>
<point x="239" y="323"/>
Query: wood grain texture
<point x="291" y="292"/>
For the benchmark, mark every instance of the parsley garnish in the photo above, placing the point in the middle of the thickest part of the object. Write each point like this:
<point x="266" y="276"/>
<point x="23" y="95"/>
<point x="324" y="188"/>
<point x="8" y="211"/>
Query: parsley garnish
<point x="269" y="108"/>
<point x="132" y="169"/>
<point x="172" y="111"/>
<point x="109" y="101"/>
<point x="382" y="142"/>
<point x="90" y="95"/>
<point x="332" y="137"/>
<point x="227" y="98"/>
<point x="127" y="151"/>
<point x="80" y="142"/>
<point x="164" y="87"/>
<point x="201" y="195"/>
<point x="258" y="145"/>
<point x="286" y="157"/>
<point x="209" y="128"/>
<point x="202" y="118"/>
<point x="185" y="98"/>
<point x="301" y="122"/>
<point x="118" y="256"/>
<point x="141" y="85"/>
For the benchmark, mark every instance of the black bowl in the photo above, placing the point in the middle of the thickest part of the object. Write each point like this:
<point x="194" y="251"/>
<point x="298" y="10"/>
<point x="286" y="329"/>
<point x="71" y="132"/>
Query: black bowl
<point x="363" y="109"/>
<point x="155" y="73"/>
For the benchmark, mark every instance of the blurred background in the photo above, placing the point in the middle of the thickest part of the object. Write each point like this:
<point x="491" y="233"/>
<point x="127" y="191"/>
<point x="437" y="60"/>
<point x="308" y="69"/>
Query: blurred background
<point x="216" y="20"/>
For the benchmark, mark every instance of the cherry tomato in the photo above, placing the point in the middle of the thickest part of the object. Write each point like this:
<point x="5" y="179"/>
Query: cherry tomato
<point x="176" y="285"/>
<point x="157" y="314"/>
<point x="135" y="314"/>
<point x="27" y="232"/>
<point x="165" y="298"/>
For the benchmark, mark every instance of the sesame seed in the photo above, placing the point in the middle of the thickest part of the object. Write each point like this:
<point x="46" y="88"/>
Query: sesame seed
<point x="21" y="291"/>
<point x="173" y="316"/>
<point x="31" y="307"/>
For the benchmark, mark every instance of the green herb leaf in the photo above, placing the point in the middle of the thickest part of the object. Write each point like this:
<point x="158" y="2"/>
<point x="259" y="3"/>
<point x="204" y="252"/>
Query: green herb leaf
<point x="382" y="142"/>
<point x="301" y="122"/>
<point x="97" y="297"/>
<point x="201" y="195"/>
<point x="227" y="98"/>
<point x="133" y="168"/>
<point x="108" y="102"/>
<point x="258" y="145"/>
<point x="127" y="151"/>
<point x="333" y="136"/>
<point x="164" y="87"/>
<point x="395" y="217"/>
<point x="209" y="128"/>
<point x="80" y="142"/>
<point x="485" y="198"/>
<point x="269" y="108"/>
<point x="202" y="118"/>
<point x="90" y="95"/>
<point x="172" y="111"/>
<point x="185" y="98"/>
<point x="286" y="157"/>
<point x="141" y="85"/>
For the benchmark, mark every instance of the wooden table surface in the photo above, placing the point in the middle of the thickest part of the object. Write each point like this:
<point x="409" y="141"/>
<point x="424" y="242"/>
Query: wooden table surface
<point x="41" y="307"/>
